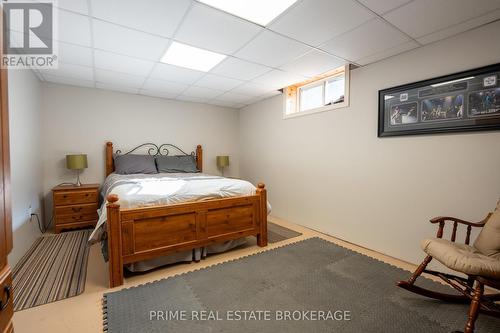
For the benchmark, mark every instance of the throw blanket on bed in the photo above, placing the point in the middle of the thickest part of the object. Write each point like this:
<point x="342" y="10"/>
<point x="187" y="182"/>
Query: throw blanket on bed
<point x="141" y="190"/>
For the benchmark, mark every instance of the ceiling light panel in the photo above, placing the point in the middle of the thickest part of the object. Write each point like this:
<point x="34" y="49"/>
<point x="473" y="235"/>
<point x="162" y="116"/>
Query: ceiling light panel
<point x="259" y="11"/>
<point x="186" y="56"/>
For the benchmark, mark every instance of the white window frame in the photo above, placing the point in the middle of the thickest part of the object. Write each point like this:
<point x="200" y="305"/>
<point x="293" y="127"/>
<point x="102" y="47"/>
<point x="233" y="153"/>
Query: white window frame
<point x="344" y="104"/>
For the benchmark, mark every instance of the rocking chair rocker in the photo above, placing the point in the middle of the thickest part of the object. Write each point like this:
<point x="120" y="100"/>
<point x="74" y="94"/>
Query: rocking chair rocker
<point x="480" y="262"/>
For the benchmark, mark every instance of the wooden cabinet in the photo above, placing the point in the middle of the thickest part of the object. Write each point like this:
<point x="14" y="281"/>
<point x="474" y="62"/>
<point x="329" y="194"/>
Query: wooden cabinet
<point x="75" y="206"/>
<point x="6" y="307"/>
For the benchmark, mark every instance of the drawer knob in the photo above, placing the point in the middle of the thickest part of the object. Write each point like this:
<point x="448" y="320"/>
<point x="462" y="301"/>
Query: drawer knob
<point x="77" y="209"/>
<point x="6" y="291"/>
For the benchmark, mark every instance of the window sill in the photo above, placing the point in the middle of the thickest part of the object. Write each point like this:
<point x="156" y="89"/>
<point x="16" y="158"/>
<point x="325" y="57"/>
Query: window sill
<point x="317" y="110"/>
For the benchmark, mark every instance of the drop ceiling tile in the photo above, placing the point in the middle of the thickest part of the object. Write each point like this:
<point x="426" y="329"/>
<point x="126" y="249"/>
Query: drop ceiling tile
<point x="272" y="50"/>
<point x="239" y="69"/>
<point x="79" y="6"/>
<point x="420" y="18"/>
<point x="233" y="97"/>
<point x="272" y="94"/>
<point x="192" y="99"/>
<point x="175" y="74"/>
<point x="118" y="79"/>
<point x="163" y="86"/>
<point x="382" y="7"/>
<point x="217" y="82"/>
<point x="406" y="46"/>
<point x="251" y="89"/>
<point x="200" y="92"/>
<point x="277" y="79"/>
<point x="68" y="81"/>
<point x="74" y="54"/>
<point x="114" y="38"/>
<point x="313" y="63"/>
<point x="461" y="27"/>
<point x="158" y="17"/>
<point x="158" y="94"/>
<point x="215" y="30"/>
<point x="226" y="104"/>
<point x="118" y="88"/>
<point x="73" y="28"/>
<point x="316" y="21"/>
<point x="71" y="71"/>
<point x="123" y="64"/>
<point x="370" y="38"/>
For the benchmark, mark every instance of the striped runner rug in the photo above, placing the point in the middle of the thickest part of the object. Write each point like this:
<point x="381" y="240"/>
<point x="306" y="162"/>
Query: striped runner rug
<point x="54" y="268"/>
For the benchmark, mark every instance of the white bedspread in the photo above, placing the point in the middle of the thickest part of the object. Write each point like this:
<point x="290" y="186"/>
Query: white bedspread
<point x="143" y="190"/>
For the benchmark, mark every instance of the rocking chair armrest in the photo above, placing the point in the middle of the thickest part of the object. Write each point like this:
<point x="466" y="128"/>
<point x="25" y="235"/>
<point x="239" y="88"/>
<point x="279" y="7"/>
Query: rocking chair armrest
<point x="440" y="219"/>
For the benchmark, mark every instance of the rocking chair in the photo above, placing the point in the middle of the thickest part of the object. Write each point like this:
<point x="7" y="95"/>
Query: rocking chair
<point x="479" y="262"/>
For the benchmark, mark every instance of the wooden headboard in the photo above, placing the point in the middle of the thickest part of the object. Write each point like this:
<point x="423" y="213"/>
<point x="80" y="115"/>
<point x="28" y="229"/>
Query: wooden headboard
<point x="153" y="150"/>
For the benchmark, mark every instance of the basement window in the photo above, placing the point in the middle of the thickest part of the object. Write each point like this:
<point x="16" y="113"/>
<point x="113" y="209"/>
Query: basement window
<point x="325" y="92"/>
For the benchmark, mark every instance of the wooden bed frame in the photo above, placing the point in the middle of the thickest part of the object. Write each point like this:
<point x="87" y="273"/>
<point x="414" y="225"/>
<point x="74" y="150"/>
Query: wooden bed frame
<point x="136" y="234"/>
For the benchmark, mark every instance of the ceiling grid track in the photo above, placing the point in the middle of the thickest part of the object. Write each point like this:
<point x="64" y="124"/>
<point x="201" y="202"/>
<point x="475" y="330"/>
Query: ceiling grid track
<point x="232" y="92"/>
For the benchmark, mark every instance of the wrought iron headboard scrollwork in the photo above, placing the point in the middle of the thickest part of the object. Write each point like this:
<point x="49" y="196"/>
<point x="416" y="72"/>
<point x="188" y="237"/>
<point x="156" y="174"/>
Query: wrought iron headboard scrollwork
<point x="151" y="149"/>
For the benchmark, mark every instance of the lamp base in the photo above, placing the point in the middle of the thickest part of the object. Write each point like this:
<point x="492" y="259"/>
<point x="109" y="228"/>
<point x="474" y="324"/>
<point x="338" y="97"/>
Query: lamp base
<point x="78" y="182"/>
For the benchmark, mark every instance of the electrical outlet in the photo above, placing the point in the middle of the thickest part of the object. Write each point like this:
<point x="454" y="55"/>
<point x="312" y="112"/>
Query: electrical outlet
<point x="30" y="211"/>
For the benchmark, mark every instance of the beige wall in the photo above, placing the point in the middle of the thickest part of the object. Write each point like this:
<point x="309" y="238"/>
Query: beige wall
<point x="81" y="120"/>
<point x="330" y="172"/>
<point x="25" y="99"/>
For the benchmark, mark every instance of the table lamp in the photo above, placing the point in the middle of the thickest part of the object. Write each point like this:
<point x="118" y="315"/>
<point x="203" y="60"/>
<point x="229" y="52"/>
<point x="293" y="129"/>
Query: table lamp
<point x="77" y="162"/>
<point x="222" y="162"/>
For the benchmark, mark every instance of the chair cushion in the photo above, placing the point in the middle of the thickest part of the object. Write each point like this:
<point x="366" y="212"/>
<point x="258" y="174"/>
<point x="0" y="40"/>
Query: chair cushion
<point x="488" y="241"/>
<point x="462" y="258"/>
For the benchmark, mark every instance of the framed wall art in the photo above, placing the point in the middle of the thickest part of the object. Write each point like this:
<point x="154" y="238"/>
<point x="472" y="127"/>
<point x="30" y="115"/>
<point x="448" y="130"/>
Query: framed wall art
<point x="465" y="101"/>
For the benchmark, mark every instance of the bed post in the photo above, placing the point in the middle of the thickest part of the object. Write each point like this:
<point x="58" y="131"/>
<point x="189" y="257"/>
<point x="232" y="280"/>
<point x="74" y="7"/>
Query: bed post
<point x="262" y="235"/>
<point x="199" y="158"/>
<point x="115" y="260"/>
<point x="109" y="158"/>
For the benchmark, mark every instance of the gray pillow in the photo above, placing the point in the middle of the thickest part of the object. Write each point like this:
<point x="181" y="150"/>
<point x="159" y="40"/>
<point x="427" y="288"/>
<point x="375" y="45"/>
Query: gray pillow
<point x="129" y="164"/>
<point x="183" y="163"/>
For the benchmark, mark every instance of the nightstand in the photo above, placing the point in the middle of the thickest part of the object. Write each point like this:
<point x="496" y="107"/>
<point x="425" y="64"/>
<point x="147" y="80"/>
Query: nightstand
<point x="75" y="206"/>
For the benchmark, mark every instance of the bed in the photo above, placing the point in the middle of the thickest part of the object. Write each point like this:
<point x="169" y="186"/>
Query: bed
<point x="142" y="231"/>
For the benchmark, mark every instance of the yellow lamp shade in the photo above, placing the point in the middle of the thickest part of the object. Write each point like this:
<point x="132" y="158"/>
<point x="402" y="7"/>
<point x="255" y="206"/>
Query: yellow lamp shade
<point x="78" y="161"/>
<point x="222" y="161"/>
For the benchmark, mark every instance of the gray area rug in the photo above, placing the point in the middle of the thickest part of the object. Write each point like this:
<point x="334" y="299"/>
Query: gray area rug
<point x="53" y="269"/>
<point x="311" y="275"/>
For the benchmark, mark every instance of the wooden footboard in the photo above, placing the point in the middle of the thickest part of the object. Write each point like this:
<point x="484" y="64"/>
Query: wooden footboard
<point x="144" y="233"/>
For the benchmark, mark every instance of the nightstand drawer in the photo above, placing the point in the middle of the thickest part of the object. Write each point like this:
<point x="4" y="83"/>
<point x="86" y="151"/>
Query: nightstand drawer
<point x="76" y="209"/>
<point x="75" y="218"/>
<point x="74" y="197"/>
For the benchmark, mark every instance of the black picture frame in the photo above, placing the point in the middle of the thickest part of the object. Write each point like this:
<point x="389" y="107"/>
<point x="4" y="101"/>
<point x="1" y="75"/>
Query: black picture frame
<point x="459" y="102"/>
